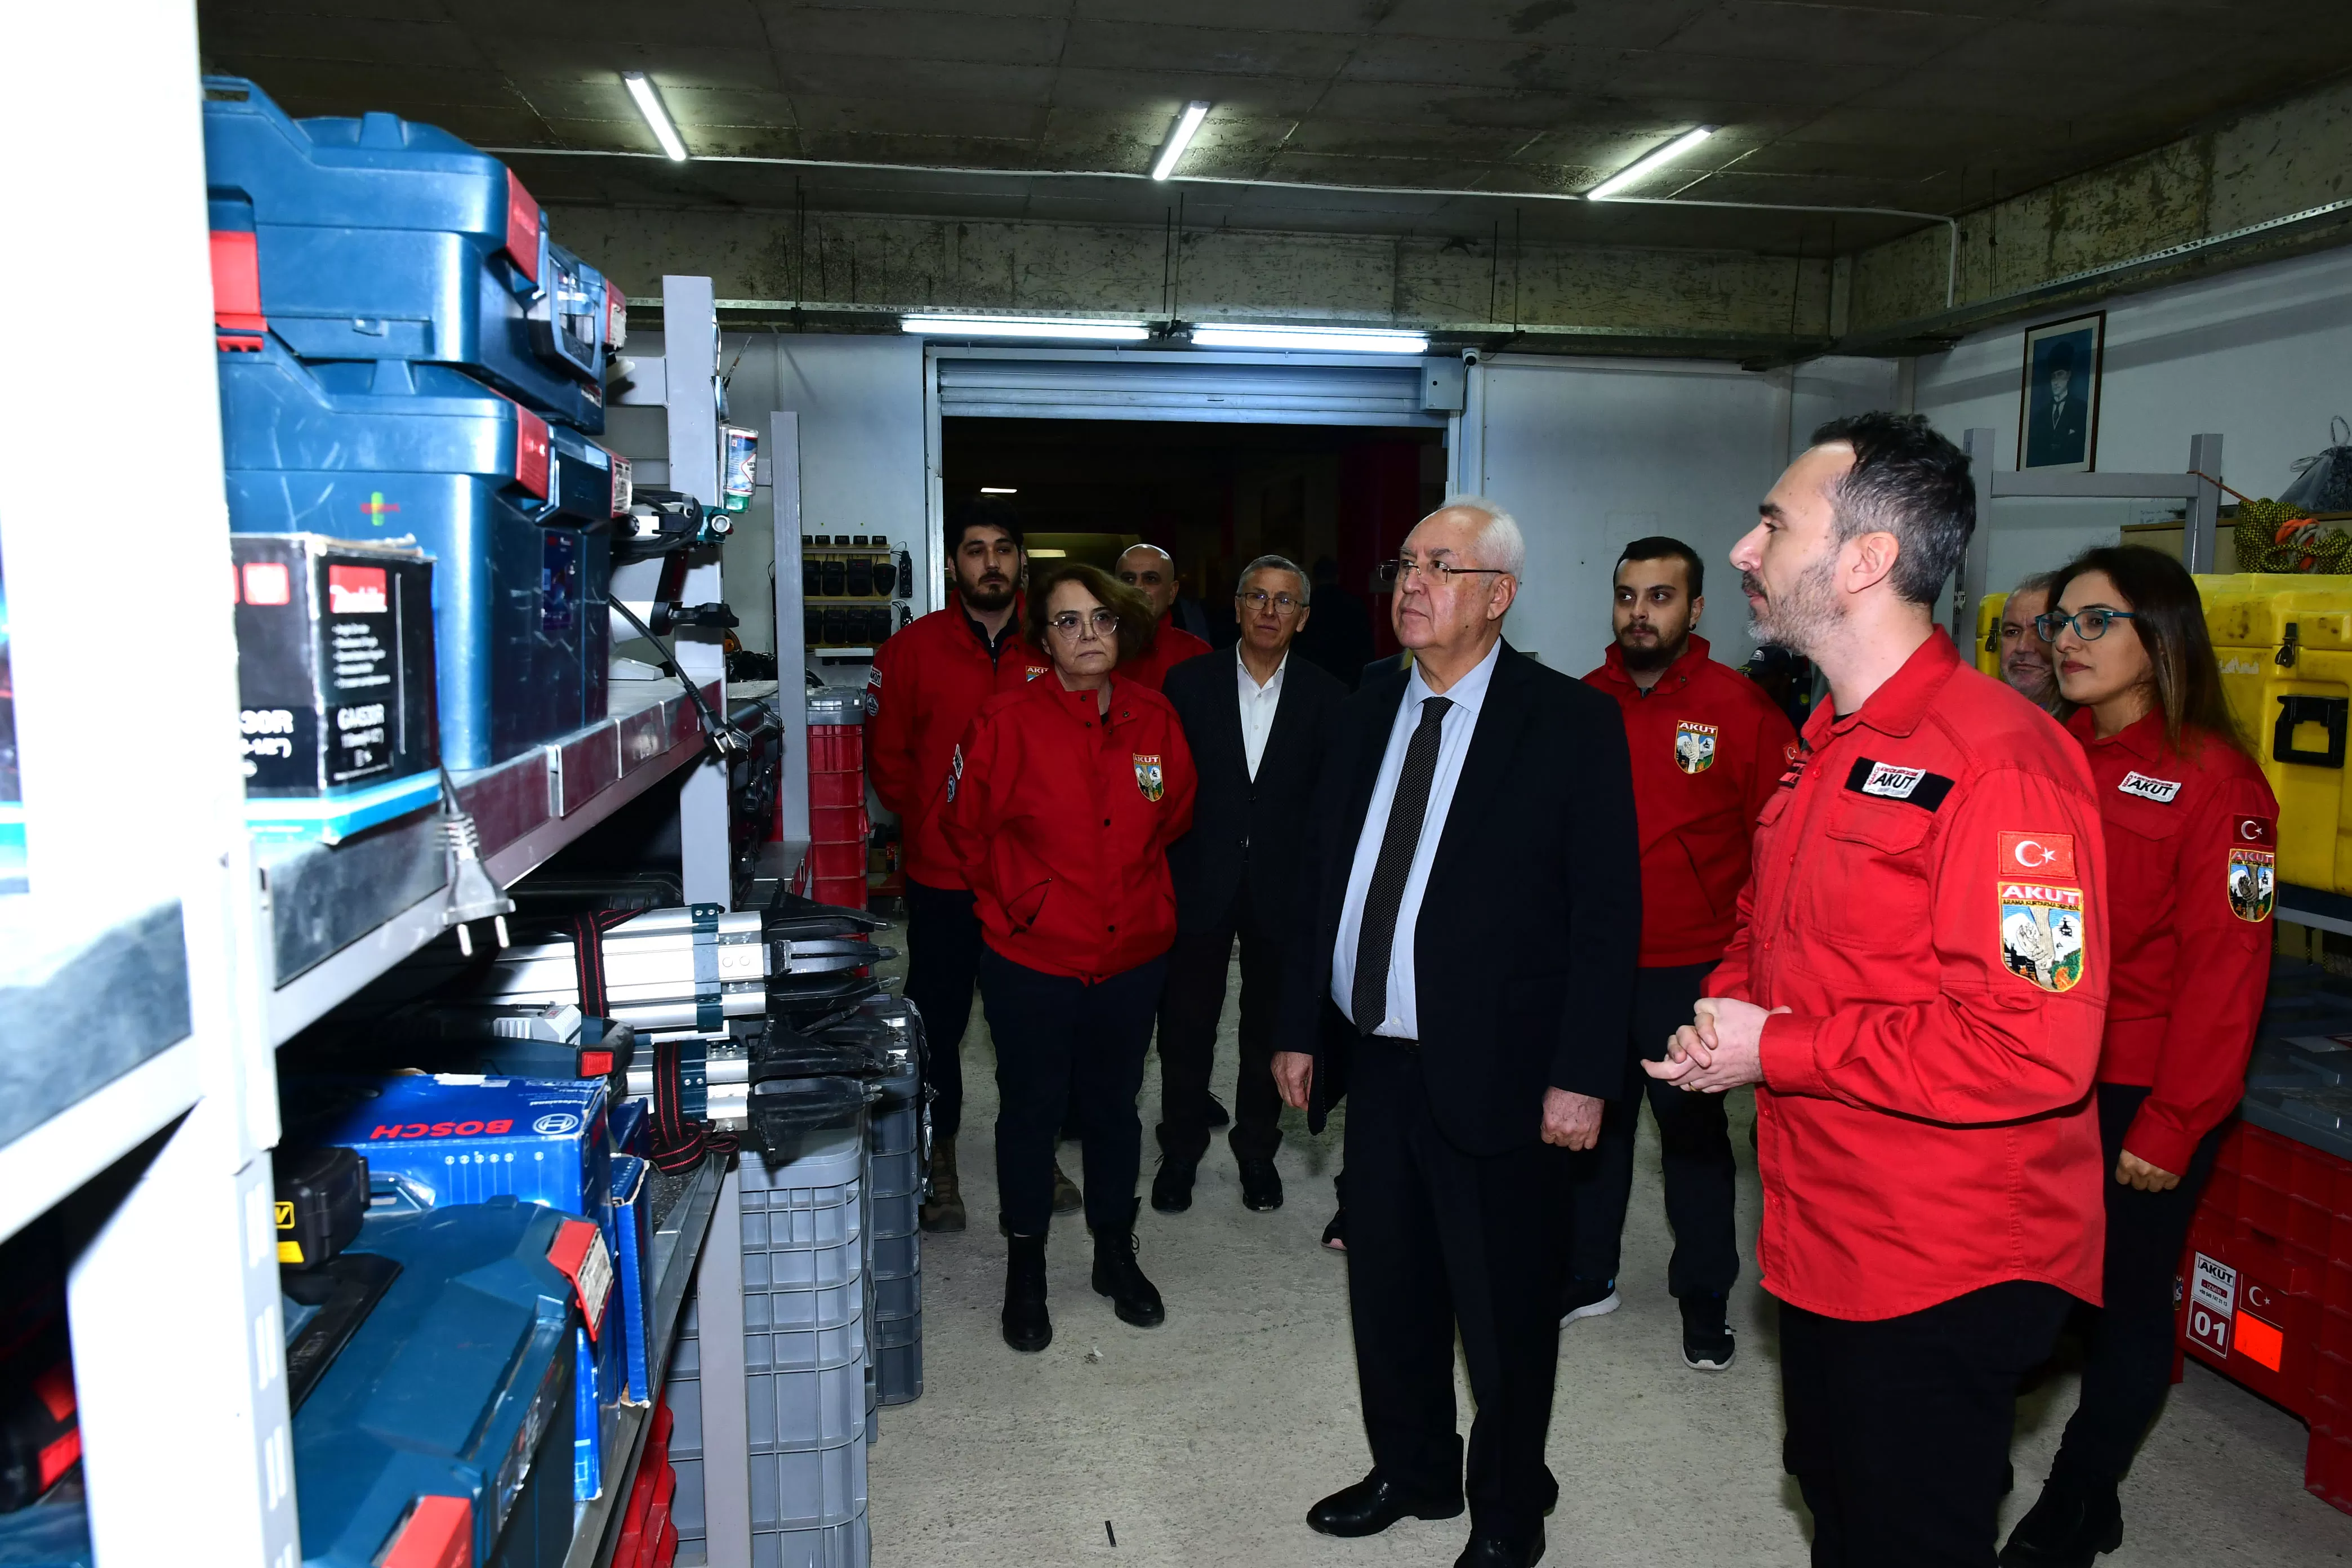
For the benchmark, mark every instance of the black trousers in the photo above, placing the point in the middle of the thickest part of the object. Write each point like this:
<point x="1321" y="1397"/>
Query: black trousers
<point x="1695" y="1140"/>
<point x="1189" y="1010"/>
<point x="1899" y="1430"/>
<point x="1437" y="1240"/>
<point x="1062" y="1042"/>
<point x="943" y="950"/>
<point x="2129" y="1367"/>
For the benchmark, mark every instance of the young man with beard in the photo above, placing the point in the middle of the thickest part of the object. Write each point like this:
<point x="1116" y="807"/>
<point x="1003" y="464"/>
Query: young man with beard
<point x="1925" y="1131"/>
<point x="1708" y="748"/>
<point x="927" y="684"/>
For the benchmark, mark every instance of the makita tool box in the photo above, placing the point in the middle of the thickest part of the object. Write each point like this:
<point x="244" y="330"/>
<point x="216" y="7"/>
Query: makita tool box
<point x="377" y="238"/>
<point x="336" y="717"/>
<point x="513" y="514"/>
<point x="447" y="1414"/>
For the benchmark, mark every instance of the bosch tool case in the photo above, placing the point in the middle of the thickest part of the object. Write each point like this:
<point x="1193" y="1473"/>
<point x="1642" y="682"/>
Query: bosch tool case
<point x="459" y="1385"/>
<point x="378" y="239"/>
<point x="392" y="452"/>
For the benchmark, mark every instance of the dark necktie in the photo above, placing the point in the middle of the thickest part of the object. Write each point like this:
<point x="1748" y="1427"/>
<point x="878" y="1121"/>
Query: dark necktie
<point x="1398" y="843"/>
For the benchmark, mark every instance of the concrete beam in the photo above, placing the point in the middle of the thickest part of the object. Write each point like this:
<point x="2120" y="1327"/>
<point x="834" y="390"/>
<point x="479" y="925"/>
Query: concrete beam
<point x="2248" y="171"/>
<point x="853" y="269"/>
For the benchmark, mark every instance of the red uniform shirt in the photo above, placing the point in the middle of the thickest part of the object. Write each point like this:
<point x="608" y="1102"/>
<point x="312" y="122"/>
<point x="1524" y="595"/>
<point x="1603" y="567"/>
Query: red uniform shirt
<point x="1062" y="817"/>
<point x="2192" y="853"/>
<point x="926" y="684"/>
<point x="1708" y="747"/>
<point x="1929" y="905"/>
<point x="1171" y="647"/>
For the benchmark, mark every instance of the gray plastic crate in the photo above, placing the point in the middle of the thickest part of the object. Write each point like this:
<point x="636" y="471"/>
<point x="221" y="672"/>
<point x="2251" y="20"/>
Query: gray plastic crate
<point x="791" y="1411"/>
<point x="896" y="1124"/>
<point x="889" y="1332"/>
<point x="838" y="1546"/>
<point x="892" y="1175"/>
<point x="899" y="1298"/>
<point x="896" y="1257"/>
<point x="897" y="1375"/>
<point x="2302" y="1088"/>
<point x="808" y="1488"/>
<point x="895" y="1216"/>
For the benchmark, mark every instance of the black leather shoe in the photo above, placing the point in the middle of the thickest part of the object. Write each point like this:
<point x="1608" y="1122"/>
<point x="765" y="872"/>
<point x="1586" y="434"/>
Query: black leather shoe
<point x="1371" y="1505"/>
<point x="1172" y="1185"/>
<point x="1502" y="1550"/>
<point x="2070" y="1526"/>
<point x="1027" y="1325"/>
<point x="1261" y="1185"/>
<point x="1120" y="1278"/>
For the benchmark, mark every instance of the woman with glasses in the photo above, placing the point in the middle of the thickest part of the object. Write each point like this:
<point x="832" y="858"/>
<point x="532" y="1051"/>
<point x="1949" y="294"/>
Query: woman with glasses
<point x="2192" y="840"/>
<point x="1061" y="804"/>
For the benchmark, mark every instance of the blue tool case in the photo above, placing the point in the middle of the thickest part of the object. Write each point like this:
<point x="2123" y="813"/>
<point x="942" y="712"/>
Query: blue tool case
<point x="514" y="512"/>
<point x="380" y="239"/>
<point x="459" y="1384"/>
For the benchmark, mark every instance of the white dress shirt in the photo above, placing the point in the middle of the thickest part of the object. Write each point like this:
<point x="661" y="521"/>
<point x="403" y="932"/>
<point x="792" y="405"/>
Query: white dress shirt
<point x="1258" y="703"/>
<point x="1467" y="695"/>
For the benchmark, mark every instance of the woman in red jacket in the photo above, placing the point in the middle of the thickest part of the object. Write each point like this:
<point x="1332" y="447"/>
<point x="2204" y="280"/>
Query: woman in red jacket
<point x="2191" y="832"/>
<point x="1062" y="802"/>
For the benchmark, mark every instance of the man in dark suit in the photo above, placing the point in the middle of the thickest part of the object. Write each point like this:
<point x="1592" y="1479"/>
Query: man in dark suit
<point x="2058" y="422"/>
<point x="1258" y="721"/>
<point x="1469" y="921"/>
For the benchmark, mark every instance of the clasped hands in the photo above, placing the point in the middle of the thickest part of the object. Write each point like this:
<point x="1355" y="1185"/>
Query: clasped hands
<point x="1721" y="1048"/>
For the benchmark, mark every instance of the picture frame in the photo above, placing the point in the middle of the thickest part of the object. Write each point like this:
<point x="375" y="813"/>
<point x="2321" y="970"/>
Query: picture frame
<point x="2058" y="400"/>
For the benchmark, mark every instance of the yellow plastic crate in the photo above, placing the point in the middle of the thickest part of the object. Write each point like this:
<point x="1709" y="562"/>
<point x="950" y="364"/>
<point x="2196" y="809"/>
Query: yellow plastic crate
<point x="2284" y="643"/>
<point x="1989" y="633"/>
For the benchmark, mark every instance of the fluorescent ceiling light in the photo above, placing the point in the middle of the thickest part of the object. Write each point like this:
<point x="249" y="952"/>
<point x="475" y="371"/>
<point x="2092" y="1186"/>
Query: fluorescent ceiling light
<point x="1181" y="138"/>
<point x="998" y="490"/>
<point x="1339" y="340"/>
<point x="1024" y="327"/>
<point x="1047" y="552"/>
<point x="1641" y="168"/>
<point x="649" y="104"/>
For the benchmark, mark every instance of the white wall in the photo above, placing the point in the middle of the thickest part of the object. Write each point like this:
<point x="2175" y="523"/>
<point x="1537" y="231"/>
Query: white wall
<point x="1589" y="454"/>
<point x="2263" y="356"/>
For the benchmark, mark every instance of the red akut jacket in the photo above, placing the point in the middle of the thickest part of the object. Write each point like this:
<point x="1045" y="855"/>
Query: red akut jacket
<point x="1930" y="904"/>
<point x="926" y="684"/>
<point x="1061" y="816"/>
<point x="1708" y="747"/>
<point x="2192" y="867"/>
<point x="1171" y="647"/>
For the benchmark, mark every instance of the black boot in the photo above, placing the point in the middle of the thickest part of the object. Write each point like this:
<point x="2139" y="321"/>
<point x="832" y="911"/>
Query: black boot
<point x="1119" y="1277"/>
<point x="1027" y="1325"/>
<point x="1171" y="1188"/>
<point x="2073" y="1523"/>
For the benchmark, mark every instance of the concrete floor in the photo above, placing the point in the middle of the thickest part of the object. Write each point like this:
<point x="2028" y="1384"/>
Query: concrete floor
<point x="1205" y="1440"/>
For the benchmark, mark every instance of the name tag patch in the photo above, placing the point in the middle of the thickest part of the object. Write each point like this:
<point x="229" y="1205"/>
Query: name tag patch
<point x="1893" y="780"/>
<point x="2160" y="791"/>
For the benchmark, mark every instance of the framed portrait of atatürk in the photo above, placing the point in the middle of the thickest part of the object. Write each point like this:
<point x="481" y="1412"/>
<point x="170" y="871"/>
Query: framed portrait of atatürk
<point x="2058" y="415"/>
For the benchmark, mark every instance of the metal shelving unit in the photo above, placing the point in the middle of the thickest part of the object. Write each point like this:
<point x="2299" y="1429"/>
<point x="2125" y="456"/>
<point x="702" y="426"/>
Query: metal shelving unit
<point x="678" y="1243"/>
<point x="160" y="956"/>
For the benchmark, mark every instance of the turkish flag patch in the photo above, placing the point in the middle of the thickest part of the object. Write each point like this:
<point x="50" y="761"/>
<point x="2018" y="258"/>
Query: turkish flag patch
<point x="2049" y="856"/>
<point x="2255" y="830"/>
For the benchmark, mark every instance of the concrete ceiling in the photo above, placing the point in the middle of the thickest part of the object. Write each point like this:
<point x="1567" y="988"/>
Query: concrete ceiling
<point x="1927" y="105"/>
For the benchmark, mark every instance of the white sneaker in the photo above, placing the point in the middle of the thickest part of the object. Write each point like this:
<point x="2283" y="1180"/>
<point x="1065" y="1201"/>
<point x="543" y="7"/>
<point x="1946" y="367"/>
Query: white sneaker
<point x="1586" y="1299"/>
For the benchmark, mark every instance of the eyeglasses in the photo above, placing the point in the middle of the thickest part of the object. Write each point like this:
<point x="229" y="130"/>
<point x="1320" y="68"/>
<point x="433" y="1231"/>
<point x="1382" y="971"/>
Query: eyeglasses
<point x="1283" y="604"/>
<point x="1390" y="572"/>
<point x="2090" y="625"/>
<point x="1072" y="625"/>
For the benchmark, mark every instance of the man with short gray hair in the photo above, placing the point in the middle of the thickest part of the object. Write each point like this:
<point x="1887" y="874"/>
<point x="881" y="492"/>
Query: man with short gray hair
<point x="1470" y="913"/>
<point x="1257" y="725"/>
